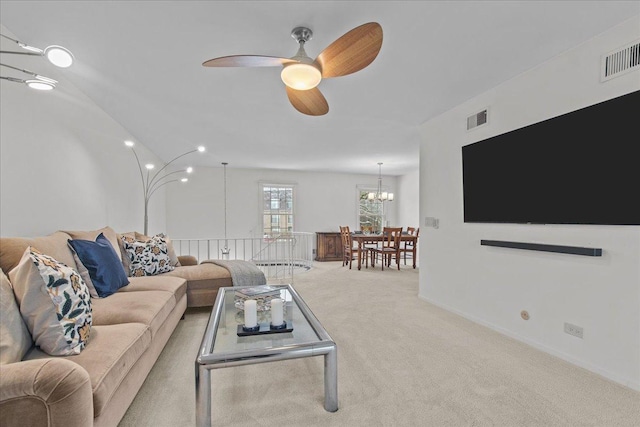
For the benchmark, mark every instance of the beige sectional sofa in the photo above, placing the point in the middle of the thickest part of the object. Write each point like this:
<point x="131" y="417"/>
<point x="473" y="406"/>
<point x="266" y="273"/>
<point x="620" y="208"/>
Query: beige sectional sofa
<point x="129" y="330"/>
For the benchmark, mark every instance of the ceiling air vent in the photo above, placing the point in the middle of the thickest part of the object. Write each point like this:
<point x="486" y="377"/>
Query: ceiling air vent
<point x="477" y="119"/>
<point x="621" y="61"/>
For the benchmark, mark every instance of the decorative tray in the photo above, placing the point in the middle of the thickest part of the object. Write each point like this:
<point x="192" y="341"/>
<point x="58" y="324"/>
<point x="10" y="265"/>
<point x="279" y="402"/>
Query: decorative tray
<point x="263" y="329"/>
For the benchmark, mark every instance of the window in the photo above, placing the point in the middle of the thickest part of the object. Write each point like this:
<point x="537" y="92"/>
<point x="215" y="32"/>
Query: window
<point x="277" y="209"/>
<point x="370" y="212"/>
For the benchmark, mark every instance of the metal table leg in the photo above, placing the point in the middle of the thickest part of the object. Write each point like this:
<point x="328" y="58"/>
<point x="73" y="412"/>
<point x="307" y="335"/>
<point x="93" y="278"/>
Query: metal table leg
<point x="331" y="380"/>
<point x="203" y="396"/>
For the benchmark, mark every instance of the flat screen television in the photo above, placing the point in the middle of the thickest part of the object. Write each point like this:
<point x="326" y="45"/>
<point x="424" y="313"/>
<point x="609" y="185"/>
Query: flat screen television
<point x="582" y="167"/>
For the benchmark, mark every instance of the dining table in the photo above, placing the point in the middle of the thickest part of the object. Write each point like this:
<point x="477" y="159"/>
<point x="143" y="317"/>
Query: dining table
<point x="363" y="238"/>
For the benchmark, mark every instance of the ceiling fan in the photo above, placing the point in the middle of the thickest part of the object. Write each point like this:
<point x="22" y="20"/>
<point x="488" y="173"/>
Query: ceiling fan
<point x="350" y="53"/>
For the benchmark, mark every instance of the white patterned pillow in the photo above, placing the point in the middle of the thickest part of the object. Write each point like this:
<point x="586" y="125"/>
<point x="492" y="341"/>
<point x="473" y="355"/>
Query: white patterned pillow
<point x="54" y="302"/>
<point x="170" y="251"/>
<point x="147" y="258"/>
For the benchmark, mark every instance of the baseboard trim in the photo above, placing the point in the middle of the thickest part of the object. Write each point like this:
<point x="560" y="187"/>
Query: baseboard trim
<point x="627" y="382"/>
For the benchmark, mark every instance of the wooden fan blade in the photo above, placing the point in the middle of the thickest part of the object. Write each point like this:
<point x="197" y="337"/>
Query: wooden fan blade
<point x="247" y="61"/>
<point x="310" y="102"/>
<point x="351" y="52"/>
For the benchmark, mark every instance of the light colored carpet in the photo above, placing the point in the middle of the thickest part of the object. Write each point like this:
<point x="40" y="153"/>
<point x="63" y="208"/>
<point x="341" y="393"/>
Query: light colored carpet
<point x="401" y="362"/>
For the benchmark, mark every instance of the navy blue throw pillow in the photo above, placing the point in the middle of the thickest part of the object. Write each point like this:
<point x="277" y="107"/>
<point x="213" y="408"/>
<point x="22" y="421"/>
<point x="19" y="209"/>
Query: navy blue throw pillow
<point x="100" y="259"/>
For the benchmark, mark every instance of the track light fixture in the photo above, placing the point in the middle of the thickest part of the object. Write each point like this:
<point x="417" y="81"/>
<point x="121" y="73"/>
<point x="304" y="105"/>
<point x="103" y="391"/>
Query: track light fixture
<point x="57" y="55"/>
<point x="39" y="83"/>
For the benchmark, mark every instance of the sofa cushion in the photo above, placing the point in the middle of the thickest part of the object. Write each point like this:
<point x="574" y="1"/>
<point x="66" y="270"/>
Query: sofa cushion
<point x="108" y="232"/>
<point x="150" y="308"/>
<point x="147" y="258"/>
<point x="194" y="273"/>
<point x="203" y="282"/>
<point x="106" y="273"/>
<point x="15" y="339"/>
<point x="109" y="357"/>
<point x="176" y="285"/>
<point x="54" y="245"/>
<point x="54" y="302"/>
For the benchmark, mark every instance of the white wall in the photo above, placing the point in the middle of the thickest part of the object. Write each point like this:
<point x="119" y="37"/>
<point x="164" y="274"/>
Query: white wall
<point x="323" y="201"/>
<point x="409" y="199"/>
<point x="492" y="285"/>
<point x="63" y="164"/>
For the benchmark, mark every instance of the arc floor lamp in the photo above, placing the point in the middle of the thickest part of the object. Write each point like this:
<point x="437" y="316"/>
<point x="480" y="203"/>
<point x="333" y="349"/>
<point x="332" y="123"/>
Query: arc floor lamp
<point x="152" y="183"/>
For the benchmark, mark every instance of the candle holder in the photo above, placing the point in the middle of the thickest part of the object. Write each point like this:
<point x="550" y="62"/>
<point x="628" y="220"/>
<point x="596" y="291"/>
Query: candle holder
<point x="250" y="328"/>
<point x="278" y="327"/>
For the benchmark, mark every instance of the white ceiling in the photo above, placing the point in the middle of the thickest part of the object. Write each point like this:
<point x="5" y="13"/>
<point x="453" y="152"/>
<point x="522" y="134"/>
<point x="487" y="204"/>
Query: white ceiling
<point x="140" y="61"/>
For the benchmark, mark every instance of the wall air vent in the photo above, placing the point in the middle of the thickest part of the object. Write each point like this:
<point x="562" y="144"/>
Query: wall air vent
<point x="477" y="120"/>
<point x="621" y="61"/>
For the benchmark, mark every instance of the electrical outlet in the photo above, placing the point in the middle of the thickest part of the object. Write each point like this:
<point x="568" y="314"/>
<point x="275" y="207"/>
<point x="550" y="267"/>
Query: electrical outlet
<point x="574" y="330"/>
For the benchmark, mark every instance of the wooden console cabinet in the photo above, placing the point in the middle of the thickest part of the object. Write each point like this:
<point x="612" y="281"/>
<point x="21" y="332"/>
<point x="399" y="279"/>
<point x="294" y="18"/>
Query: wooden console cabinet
<point x="328" y="246"/>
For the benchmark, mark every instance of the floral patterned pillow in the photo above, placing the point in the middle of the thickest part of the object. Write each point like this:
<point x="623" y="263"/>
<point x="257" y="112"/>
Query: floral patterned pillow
<point x="147" y="258"/>
<point x="54" y="302"/>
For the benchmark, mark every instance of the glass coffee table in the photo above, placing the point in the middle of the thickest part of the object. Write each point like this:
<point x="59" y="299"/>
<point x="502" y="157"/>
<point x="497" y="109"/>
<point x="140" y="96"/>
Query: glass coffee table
<point x="222" y="347"/>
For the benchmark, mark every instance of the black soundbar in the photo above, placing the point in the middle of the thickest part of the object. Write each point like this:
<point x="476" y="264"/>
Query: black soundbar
<point x="573" y="250"/>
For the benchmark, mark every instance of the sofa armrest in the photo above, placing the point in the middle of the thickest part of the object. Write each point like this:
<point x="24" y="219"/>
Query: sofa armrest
<point x="187" y="260"/>
<point x="45" y="392"/>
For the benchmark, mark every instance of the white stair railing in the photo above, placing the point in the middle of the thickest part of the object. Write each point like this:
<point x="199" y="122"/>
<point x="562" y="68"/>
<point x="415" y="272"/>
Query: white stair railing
<point x="279" y="257"/>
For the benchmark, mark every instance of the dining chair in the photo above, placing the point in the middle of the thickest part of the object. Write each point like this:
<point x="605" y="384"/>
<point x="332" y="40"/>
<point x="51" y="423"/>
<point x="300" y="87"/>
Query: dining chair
<point x="390" y="247"/>
<point x="407" y="245"/>
<point x="349" y="251"/>
<point x="369" y="244"/>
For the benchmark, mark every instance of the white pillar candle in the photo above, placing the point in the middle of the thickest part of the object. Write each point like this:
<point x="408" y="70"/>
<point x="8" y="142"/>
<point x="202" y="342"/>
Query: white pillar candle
<point x="277" y="314"/>
<point x="250" y="313"/>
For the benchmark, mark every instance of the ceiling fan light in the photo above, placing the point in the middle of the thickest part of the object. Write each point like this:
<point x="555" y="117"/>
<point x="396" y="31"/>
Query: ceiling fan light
<point x="40" y="84"/>
<point x="59" y="56"/>
<point x="301" y="76"/>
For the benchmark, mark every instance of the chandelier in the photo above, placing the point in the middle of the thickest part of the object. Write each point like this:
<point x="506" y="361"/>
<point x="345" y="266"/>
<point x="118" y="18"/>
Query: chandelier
<point x="379" y="195"/>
